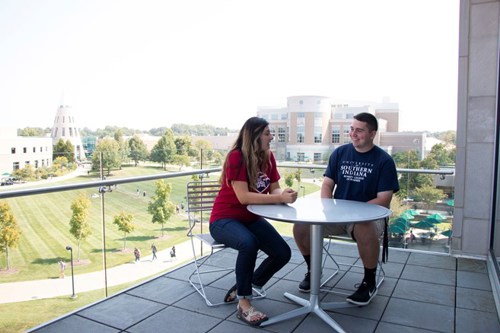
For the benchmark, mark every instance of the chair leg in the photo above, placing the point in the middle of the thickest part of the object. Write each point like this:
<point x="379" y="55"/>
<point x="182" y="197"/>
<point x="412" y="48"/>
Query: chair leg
<point x="380" y="273"/>
<point x="326" y="249"/>
<point x="196" y="280"/>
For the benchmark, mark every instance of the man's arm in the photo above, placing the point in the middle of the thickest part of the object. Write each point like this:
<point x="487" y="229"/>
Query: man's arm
<point x="383" y="199"/>
<point x="327" y="188"/>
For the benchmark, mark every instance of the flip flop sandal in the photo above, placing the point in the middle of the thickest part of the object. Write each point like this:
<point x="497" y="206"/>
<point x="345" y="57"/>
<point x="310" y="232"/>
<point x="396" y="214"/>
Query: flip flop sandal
<point x="231" y="295"/>
<point x="247" y="316"/>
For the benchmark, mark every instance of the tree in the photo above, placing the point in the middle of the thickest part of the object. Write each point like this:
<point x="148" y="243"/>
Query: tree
<point x="204" y="149"/>
<point x="164" y="150"/>
<point x="183" y="145"/>
<point x="79" y="226"/>
<point x="442" y="155"/>
<point x="429" y="195"/>
<point x="137" y="149"/>
<point x="289" y="179"/>
<point x="181" y="160"/>
<point x="125" y="224"/>
<point x="111" y="157"/>
<point x="298" y="176"/>
<point x="10" y="233"/>
<point x="122" y="145"/>
<point x="161" y="207"/>
<point x="31" y="131"/>
<point x="64" y="149"/>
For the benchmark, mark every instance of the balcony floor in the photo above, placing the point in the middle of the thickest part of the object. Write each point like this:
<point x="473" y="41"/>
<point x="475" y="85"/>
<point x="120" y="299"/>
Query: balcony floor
<point x="422" y="292"/>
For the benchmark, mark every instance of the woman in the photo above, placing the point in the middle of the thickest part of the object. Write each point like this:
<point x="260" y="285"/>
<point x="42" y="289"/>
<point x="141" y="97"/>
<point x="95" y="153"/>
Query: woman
<point x="250" y="176"/>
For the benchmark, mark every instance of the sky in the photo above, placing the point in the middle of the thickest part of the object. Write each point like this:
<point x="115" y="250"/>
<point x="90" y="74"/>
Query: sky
<point x="153" y="63"/>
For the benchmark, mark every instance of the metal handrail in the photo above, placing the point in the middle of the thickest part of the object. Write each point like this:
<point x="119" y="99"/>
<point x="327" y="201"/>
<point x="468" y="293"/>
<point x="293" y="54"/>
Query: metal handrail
<point x="109" y="182"/>
<point x="101" y="183"/>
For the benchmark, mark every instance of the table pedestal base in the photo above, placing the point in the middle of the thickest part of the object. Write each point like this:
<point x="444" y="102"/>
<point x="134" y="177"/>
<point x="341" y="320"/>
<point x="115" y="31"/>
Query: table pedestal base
<point x="310" y="306"/>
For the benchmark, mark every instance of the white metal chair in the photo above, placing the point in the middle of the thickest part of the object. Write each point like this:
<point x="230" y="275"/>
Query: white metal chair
<point x="200" y="200"/>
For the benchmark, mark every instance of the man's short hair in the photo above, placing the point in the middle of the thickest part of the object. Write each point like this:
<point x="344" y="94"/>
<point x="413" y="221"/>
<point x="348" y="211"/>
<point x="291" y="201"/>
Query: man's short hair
<point x="369" y="119"/>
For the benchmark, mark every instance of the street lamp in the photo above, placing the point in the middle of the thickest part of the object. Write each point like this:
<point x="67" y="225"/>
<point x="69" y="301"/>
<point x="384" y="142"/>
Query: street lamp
<point x="70" y="249"/>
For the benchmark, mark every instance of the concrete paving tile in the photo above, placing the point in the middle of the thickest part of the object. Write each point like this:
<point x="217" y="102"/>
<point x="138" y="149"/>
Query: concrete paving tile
<point x="476" y="321"/>
<point x="121" y="311"/>
<point x="425" y="292"/>
<point x="173" y="320"/>
<point x="76" y="323"/>
<point x="427" y="316"/>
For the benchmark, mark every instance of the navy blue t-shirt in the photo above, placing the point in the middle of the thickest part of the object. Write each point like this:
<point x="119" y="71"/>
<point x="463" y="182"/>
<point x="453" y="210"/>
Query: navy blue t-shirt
<point x="360" y="176"/>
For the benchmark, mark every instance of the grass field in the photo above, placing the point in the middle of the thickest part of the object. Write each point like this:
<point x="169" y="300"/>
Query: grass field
<point x="44" y="221"/>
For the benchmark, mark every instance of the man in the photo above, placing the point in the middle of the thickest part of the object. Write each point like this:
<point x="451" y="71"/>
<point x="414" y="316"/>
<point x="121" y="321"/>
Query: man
<point x="359" y="171"/>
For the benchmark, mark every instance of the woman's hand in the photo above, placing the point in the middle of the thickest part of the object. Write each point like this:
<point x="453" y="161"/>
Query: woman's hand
<point x="289" y="195"/>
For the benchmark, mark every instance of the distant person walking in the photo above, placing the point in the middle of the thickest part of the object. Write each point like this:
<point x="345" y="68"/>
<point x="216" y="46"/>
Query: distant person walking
<point x="153" y="249"/>
<point x="172" y="253"/>
<point x="62" y="267"/>
<point x="137" y="254"/>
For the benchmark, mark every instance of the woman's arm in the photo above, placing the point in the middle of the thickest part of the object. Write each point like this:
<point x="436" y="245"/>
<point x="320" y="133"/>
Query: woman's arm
<point x="246" y="197"/>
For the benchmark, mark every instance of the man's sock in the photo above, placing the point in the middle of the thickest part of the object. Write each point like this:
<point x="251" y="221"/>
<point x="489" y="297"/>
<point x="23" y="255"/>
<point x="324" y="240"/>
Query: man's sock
<point x="370" y="276"/>
<point x="307" y="258"/>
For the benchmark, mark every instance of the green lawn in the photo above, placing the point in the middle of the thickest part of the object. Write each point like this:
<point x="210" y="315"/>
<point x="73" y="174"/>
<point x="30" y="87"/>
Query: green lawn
<point x="44" y="221"/>
<point x="19" y="317"/>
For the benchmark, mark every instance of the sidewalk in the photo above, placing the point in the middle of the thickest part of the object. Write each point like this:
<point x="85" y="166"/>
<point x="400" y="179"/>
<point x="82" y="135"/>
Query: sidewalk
<point x="38" y="289"/>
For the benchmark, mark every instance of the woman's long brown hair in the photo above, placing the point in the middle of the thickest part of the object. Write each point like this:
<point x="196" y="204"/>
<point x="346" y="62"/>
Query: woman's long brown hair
<point x="249" y="143"/>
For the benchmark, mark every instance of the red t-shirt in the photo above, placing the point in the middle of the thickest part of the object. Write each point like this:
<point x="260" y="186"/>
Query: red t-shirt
<point x="227" y="204"/>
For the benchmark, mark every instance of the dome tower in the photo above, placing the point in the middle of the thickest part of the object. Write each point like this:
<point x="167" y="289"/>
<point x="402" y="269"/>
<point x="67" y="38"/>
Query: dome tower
<point x="65" y="128"/>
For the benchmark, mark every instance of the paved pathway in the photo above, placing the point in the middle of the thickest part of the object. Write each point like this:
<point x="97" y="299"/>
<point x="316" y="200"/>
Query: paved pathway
<point x="37" y="289"/>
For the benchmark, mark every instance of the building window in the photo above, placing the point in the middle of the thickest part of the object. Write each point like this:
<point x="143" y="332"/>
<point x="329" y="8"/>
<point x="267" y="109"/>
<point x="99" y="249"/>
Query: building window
<point x="63" y="131"/>
<point x="284" y="116"/>
<point x="13" y="150"/>
<point x="41" y="149"/>
<point x="318" y="136"/>
<point x="274" y="116"/>
<point x="317" y="157"/>
<point x="281" y="134"/>
<point x="71" y="131"/>
<point x="335" y="134"/>
<point x="55" y="132"/>
<point x="347" y="137"/>
<point x="25" y="150"/>
<point x="15" y="166"/>
<point x="36" y="164"/>
<point x="301" y="115"/>
<point x="300" y="157"/>
<point x="34" y="149"/>
<point x="300" y="134"/>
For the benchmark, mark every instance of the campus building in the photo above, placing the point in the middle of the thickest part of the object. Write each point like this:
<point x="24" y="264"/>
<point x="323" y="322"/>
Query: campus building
<point x="309" y="128"/>
<point x="16" y="152"/>
<point x="66" y="128"/>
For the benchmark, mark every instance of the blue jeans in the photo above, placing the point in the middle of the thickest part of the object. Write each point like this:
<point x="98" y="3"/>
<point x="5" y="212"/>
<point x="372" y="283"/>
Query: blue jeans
<point x="248" y="239"/>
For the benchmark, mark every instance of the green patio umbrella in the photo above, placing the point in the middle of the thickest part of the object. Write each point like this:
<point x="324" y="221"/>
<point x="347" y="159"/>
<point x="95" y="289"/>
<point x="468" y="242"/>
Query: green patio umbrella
<point x="446" y="233"/>
<point x="411" y="211"/>
<point x="397" y="229"/>
<point x="432" y="220"/>
<point x="401" y="221"/>
<point x="438" y="217"/>
<point x="407" y="216"/>
<point x="423" y="225"/>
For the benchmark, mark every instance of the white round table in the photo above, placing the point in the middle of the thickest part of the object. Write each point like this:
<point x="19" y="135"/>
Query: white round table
<point x="318" y="212"/>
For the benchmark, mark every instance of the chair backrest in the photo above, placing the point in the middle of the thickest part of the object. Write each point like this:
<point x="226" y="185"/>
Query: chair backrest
<point x="200" y="200"/>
